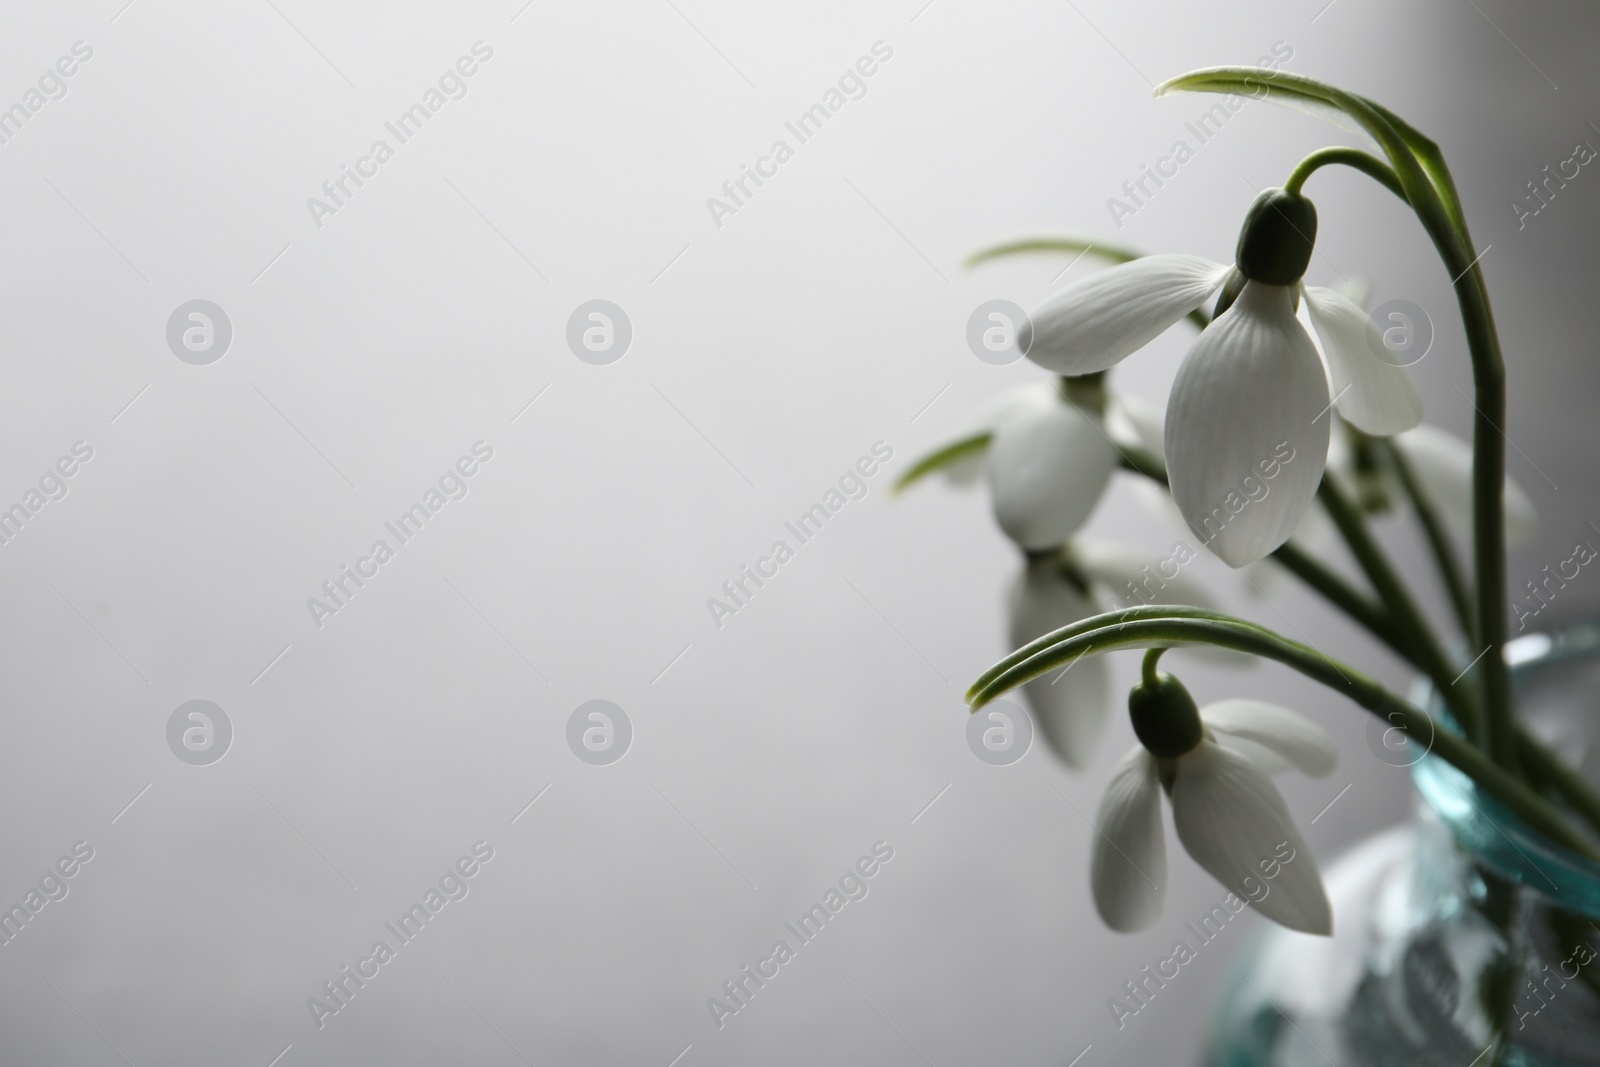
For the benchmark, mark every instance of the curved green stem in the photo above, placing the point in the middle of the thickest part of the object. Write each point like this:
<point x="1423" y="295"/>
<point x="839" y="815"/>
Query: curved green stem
<point x="1454" y="243"/>
<point x="1147" y="669"/>
<point x="1146" y="629"/>
<point x="1086" y="626"/>
<point x="1365" y="162"/>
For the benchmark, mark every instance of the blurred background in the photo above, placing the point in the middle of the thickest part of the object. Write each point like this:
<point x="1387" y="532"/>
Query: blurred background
<point x="350" y="354"/>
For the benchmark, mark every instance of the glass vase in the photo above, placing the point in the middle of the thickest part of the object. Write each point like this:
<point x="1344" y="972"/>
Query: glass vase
<point x="1451" y="927"/>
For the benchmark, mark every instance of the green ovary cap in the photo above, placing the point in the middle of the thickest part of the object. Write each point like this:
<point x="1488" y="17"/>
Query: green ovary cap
<point x="1165" y="717"/>
<point x="1276" y="240"/>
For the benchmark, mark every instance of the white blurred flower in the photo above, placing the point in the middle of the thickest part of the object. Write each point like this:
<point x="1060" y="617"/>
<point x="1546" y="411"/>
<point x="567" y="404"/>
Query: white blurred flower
<point x="1229" y="816"/>
<point x="1129" y="422"/>
<point x="1252" y="385"/>
<point x="1048" y="466"/>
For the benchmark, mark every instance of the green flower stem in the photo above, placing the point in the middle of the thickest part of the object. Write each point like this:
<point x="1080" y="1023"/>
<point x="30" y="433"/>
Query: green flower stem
<point x="1444" y="552"/>
<point x="1408" y="618"/>
<point x="1147" y="669"/>
<point x="1488" y="513"/>
<point x="1456" y="248"/>
<point x="1366" y="163"/>
<point x="1147" y="628"/>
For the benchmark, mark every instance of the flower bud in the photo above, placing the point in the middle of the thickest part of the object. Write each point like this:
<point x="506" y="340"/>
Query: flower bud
<point x="1165" y="717"/>
<point x="1276" y="240"/>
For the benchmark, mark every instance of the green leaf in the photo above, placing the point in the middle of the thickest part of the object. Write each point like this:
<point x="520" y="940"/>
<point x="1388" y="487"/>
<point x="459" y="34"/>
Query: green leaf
<point x="948" y="456"/>
<point x="1081" y="245"/>
<point x="984" y="689"/>
<point x="1415" y="158"/>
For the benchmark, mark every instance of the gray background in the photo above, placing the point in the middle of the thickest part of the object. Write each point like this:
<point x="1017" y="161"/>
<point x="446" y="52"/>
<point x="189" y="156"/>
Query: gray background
<point x="768" y="354"/>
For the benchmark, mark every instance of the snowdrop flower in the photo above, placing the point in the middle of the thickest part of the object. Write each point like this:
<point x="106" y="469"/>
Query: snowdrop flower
<point x="1253" y="386"/>
<point x="1048" y="466"/>
<point x="1085" y="578"/>
<point x="1128" y="422"/>
<point x="1214" y="765"/>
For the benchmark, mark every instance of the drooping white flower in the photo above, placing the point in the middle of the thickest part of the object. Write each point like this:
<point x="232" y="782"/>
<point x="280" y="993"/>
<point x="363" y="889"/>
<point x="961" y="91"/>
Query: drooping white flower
<point x="1253" y="387"/>
<point x="1250" y="400"/>
<point x="1129" y="422"/>
<point x="1228" y="815"/>
<point x="1048" y="465"/>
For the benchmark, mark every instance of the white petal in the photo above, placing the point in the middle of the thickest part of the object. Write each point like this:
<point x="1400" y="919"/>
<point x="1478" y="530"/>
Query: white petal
<point x="1154" y="577"/>
<point x="1443" y="464"/>
<point x="1131" y="421"/>
<point x="1048" y="467"/>
<point x="1249" y="400"/>
<point x="1299" y="742"/>
<point x="1261" y="757"/>
<point x="1374" y="394"/>
<point x="1128" y="869"/>
<point x="1070" y="706"/>
<point x="1232" y="820"/>
<point x="1095" y="323"/>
